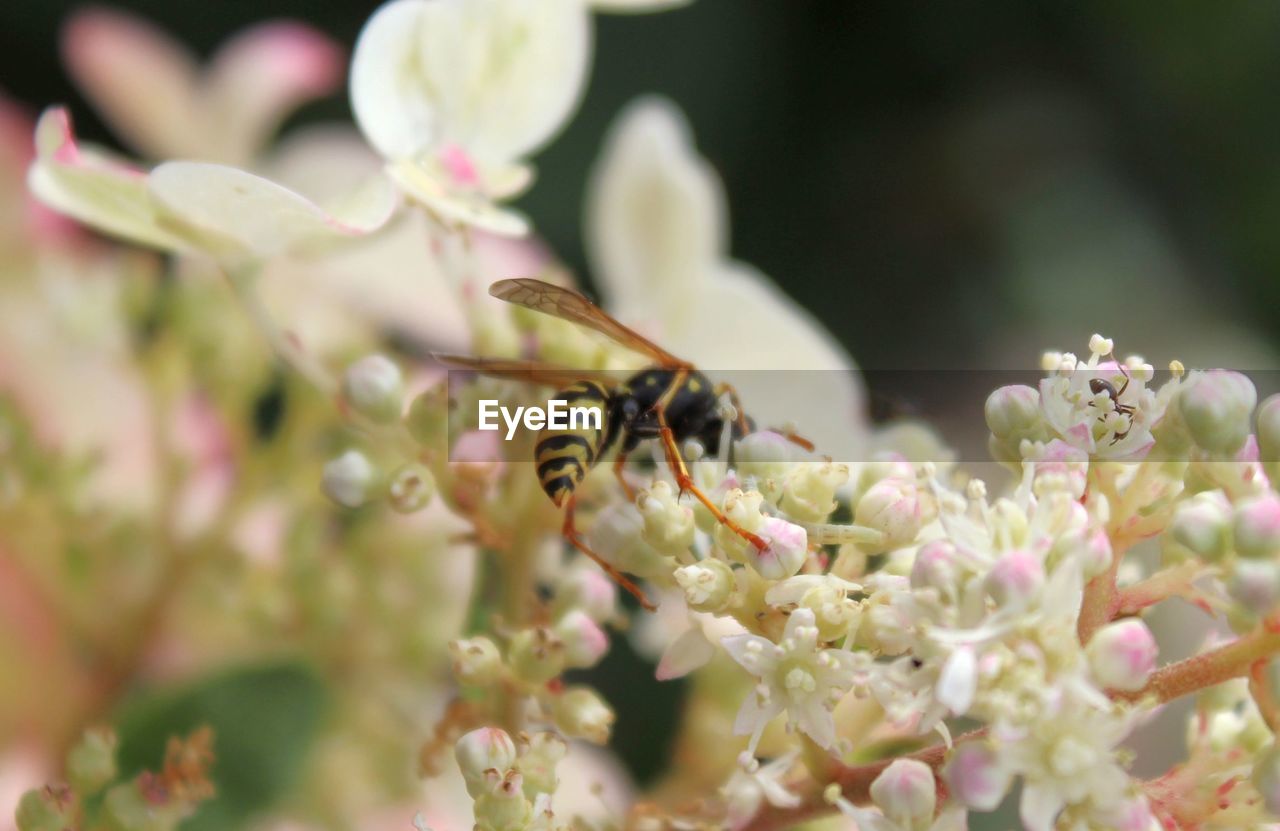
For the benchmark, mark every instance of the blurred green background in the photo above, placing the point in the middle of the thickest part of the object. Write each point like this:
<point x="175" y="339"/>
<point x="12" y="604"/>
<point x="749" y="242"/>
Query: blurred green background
<point x="945" y="185"/>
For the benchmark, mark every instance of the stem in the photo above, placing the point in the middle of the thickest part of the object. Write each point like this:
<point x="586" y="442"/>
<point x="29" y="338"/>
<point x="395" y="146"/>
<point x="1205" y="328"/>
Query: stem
<point x="1233" y="660"/>
<point x="1175" y="581"/>
<point x="286" y="349"/>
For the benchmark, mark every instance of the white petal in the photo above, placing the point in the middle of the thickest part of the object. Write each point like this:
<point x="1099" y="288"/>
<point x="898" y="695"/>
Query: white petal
<point x="959" y="680"/>
<point x="107" y="196"/>
<point x="1039" y="807"/>
<point x="752" y="717"/>
<point x="466" y="208"/>
<point x="497" y="77"/>
<point x="812" y="717"/>
<point x="686" y="653"/>
<point x="243" y="211"/>
<point x="656" y="216"/>
<point x="752" y="660"/>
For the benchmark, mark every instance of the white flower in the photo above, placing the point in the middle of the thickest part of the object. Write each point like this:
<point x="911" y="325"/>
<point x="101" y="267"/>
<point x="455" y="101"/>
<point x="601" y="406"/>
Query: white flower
<point x="1095" y="422"/>
<point x="748" y="789"/>
<point x="455" y="93"/>
<point x="657" y="238"/>
<point x="796" y="675"/>
<point x="183" y="206"/>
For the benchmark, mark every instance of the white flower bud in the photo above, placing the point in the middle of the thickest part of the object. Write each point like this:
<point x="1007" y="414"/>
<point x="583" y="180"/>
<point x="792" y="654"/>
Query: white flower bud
<point x="1122" y="655"/>
<point x="503" y="807"/>
<point x="668" y="525"/>
<point x="935" y="567"/>
<point x="765" y="456"/>
<point x="1255" y="585"/>
<point x="809" y="492"/>
<point x="787" y="549"/>
<point x="1201" y="524"/>
<point x="374" y="388"/>
<point x="1015" y="579"/>
<point x="1269" y="431"/>
<point x="411" y="488"/>
<point x="1095" y="555"/>
<point x="743" y="508"/>
<point x="893" y="507"/>
<point x="1257" y="526"/>
<point x="707" y="585"/>
<point x="1266" y="778"/>
<point x="348" y="479"/>
<point x="590" y="590"/>
<point x="476" y="661"/>
<point x="1217" y="408"/>
<point x="581" y="714"/>
<point x="481" y="751"/>
<point x="536" y="655"/>
<point x="975" y="776"/>
<point x="585" y="643"/>
<point x="906" y="793"/>
<point x="1013" y="413"/>
<point x="538" y="760"/>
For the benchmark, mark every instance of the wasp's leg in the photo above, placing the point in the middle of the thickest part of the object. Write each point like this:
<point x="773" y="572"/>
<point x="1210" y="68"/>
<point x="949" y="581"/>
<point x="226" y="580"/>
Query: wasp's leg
<point x="571" y="534"/>
<point x="619" y="471"/>
<point x="685" y="483"/>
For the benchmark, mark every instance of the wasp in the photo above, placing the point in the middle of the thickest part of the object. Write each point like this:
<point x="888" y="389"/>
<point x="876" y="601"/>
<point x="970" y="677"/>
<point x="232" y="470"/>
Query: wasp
<point x="670" y="401"/>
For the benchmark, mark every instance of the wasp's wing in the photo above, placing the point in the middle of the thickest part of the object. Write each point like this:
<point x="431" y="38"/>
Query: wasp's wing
<point x="572" y="306"/>
<point x="537" y="372"/>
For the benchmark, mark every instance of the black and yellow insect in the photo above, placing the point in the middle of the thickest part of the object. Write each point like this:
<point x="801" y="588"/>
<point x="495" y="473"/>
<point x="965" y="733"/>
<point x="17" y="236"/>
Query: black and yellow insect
<point x="671" y="402"/>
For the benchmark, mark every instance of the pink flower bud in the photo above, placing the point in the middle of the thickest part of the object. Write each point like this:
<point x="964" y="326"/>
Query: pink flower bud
<point x="892" y="506"/>
<point x="935" y="567"/>
<point x="590" y="590"/>
<point x="787" y="550"/>
<point x="1255" y="584"/>
<point x="975" y="776"/>
<point x="1122" y="655"/>
<point x="1016" y="578"/>
<point x="1257" y="526"/>
<point x="1217" y="408"/>
<point x="1095" y="556"/>
<point x="1201" y="524"/>
<point x="905" y="792"/>
<point x="585" y="643"/>
<point x="1269" y="429"/>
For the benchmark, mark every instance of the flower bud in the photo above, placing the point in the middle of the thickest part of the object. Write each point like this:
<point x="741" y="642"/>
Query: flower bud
<point x="536" y="655"/>
<point x="1266" y="778"/>
<point x="1122" y="655"/>
<point x="619" y="532"/>
<point x="348" y="479"/>
<point x="975" y="776"/>
<point x="428" y="417"/>
<point x="503" y="806"/>
<point x="590" y="590"/>
<point x="935" y="567"/>
<point x="1013" y="413"/>
<point x="893" y="507"/>
<point x="91" y="764"/>
<point x="743" y="509"/>
<point x="1255" y="585"/>
<point x="476" y="661"/>
<point x="1201" y="524"/>
<point x="51" y="808"/>
<point x="906" y="793"/>
<point x="765" y="456"/>
<point x="787" y="549"/>
<point x="581" y="714"/>
<point x="707" y="585"/>
<point x="481" y="751"/>
<point x="411" y="488"/>
<point x="1217" y="408"/>
<point x="374" y="388"/>
<point x="1257" y="526"/>
<point x="1015" y="579"/>
<point x="1095" y="555"/>
<point x="668" y="525"/>
<point x="809" y="493"/>
<point x="585" y="643"/>
<point x="1268" y="432"/>
<point x="538" y="760"/>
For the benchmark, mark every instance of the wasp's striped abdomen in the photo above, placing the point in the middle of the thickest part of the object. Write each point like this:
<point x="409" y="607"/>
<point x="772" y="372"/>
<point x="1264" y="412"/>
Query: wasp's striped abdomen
<point x="565" y="455"/>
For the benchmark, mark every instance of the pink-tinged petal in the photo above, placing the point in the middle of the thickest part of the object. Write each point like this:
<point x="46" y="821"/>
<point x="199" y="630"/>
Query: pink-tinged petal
<point x="688" y="652"/>
<point x="465" y="207"/>
<point x="262" y="75"/>
<point x="138" y="78"/>
<point x="235" y="210"/>
<point x="959" y="680"/>
<point x="85" y="186"/>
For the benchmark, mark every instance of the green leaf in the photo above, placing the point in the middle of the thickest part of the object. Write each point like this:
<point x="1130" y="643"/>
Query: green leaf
<point x="264" y="720"/>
